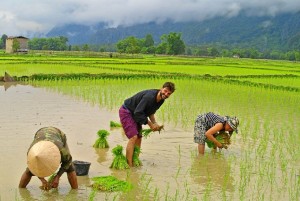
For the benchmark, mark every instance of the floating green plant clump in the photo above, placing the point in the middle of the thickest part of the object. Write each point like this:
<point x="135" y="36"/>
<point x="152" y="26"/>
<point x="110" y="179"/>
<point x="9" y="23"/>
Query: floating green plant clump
<point x="222" y="137"/>
<point x="114" y="124"/>
<point x="136" y="161"/>
<point x="120" y="161"/>
<point x="110" y="183"/>
<point x="101" y="142"/>
<point x="147" y="131"/>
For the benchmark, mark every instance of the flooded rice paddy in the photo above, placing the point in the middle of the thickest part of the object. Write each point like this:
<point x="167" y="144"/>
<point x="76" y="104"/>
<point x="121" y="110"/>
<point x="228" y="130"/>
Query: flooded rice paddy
<point x="171" y="168"/>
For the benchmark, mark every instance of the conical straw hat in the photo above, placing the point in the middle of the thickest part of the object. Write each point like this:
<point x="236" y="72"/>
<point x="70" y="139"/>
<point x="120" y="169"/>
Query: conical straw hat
<point x="43" y="158"/>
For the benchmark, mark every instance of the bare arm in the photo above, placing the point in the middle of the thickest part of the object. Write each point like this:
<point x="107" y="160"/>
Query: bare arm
<point x="25" y="179"/>
<point x="152" y="123"/>
<point x="210" y="134"/>
<point x="55" y="181"/>
<point x="72" y="179"/>
<point x="152" y="118"/>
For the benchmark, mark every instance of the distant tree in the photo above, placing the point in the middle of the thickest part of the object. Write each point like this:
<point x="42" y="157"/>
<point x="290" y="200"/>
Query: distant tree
<point x="189" y="51"/>
<point x="45" y="47"/>
<point x="61" y="43"/>
<point x="16" y="45"/>
<point x="275" y="55"/>
<point x="297" y="55"/>
<point x="144" y="50"/>
<point x="236" y="52"/>
<point x="149" y="42"/>
<point x="37" y="43"/>
<point x="85" y="47"/>
<point x="55" y="43"/>
<point x="213" y="51"/>
<point x="147" y="45"/>
<point x="151" y="50"/>
<point x="226" y="53"/>
<point x="3" y="41"/>
<point x="161" y="48"/>
<point x="76" y="48"/>
<point x="174" y="43"/>
<point x="201" y="52"/>
<point x="130" y="45"/>
<point x="121" y="46"/>
<point x="291" y="56"/>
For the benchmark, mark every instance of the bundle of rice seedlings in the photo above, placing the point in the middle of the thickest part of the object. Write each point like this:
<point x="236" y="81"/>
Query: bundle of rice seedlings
<point x="110" y="183"/>
<point x="115" y="124"/>
<point x="120" y="161"/>
<point x="136" y="161"/>
<point x="222" y="137"/>
<point x="101" y="142"/>
<point x="49" y="183"/>
<point x="147" y="132"/>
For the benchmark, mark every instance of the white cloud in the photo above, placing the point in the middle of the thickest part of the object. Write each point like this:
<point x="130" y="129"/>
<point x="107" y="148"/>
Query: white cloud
<point x="22" y="16"/>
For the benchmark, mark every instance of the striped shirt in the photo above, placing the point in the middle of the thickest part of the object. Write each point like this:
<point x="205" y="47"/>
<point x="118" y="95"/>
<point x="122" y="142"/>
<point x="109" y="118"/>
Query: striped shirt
<point x="212" y="119"/>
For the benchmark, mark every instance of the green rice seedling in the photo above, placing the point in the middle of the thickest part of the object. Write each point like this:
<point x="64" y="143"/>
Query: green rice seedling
<point x="49" y="183"/>
<point x="101" y="142"/>
<point x="222" y="137"/>
<point x="120" y="161"/>
<point x="147" y="131"/>
<point x="114" y="124"/>
<point x="51" y="178"/>
<point x="92" y="195"/>
<point x="111" y="184"/>
<point x="136" y="161"/>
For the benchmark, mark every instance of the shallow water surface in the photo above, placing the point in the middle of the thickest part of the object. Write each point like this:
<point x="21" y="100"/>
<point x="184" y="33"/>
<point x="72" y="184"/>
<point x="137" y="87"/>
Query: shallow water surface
<point x="25" y="109"/>
<point x="171" y="168"/>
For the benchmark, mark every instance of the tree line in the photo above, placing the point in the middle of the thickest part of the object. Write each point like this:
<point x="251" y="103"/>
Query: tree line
<point x="171" y="44"/>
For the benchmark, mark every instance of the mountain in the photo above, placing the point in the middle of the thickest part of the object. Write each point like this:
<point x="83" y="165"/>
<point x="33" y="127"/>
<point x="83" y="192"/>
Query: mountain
<point x="281" y="32"/>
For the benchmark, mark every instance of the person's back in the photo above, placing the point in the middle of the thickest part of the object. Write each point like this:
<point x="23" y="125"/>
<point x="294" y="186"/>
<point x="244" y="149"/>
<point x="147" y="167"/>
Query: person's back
<point x="49" y="149"/>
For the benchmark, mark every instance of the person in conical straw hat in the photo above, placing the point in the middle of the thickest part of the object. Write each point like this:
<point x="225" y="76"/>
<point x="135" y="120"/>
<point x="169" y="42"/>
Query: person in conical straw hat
<point x="49" y="155"/>
<point x="208" y="124"/>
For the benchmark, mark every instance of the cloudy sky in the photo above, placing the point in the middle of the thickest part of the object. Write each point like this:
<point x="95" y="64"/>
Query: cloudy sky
<point x="21" y="17"/>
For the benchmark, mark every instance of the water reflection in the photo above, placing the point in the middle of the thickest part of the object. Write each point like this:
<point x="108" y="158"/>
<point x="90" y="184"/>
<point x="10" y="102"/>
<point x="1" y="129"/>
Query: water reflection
<point x="53" y="194"/>
<point x="212" y="171"/>
<point x="84" y="182"/>
<point x="7" y="85"/>
<point x="140" y="190"/>
<point x="25" y="194"/>
<point x="102" y="154"/>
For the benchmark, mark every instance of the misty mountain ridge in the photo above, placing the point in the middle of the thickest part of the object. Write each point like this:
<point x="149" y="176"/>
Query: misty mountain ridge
<point x="281" y="32"/>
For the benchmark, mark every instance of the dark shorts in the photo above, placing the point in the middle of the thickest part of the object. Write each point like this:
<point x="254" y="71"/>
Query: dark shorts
<point x="131" y="128"/>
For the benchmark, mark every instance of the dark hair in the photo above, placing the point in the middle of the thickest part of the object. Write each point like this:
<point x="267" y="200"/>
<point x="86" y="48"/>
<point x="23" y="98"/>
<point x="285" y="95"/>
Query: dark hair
<point x="169" y="85"/>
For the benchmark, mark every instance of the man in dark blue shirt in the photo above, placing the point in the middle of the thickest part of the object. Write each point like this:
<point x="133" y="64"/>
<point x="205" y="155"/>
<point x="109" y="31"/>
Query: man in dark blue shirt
<point x="139" y="110"/>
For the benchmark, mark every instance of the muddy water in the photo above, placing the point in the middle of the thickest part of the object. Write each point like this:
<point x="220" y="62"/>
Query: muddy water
<point x="169" y="164"/>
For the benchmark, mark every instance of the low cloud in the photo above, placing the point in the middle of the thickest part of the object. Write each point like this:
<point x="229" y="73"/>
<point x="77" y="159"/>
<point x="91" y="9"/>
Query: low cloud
<point x="35" y="16"/>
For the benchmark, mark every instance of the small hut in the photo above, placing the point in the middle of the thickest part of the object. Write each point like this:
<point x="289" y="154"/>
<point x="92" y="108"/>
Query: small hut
<point x="16" y="44"/>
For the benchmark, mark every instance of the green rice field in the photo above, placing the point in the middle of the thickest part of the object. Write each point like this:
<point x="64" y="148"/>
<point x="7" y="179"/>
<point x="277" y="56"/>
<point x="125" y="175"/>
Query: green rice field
<point x="263" y="163"/>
